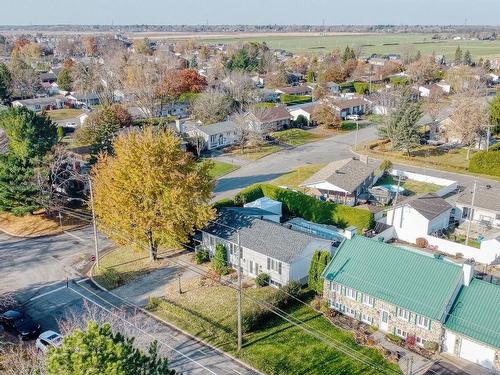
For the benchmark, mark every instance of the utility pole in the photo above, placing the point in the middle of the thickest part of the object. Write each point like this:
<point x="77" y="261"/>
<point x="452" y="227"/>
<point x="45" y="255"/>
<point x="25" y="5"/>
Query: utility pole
<point x="96" y="245"/>
<point x="488" y="136"/>
<point x="240" y="339"/>
<point x="394" y="202"/>
<point x="356" y="136"/>
<point x="179" y="282"/>
<point x="471" y="214"/>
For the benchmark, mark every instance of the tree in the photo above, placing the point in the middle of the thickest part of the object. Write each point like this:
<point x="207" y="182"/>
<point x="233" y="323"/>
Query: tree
<point x="324" y="116"/>
<point x="5" y="83"/>
<point x="180" y="81"/>
<point x="467" y="58"/>
<point x="212" y="106"/>
<point x="30" y="137"/>
<point x="193" y="63"/>
<point x="143" y="46"/>
<point x="312" y="280"/>
<point x="151" y="191"/>
<point x="25" y="80"/>
<point x="401" y="126"/>
<point x="463" y="78"/>
<point x="219" y="261"/>
<point x="423" y="70"/>
<point x="90" y="45"/>
<point x="98" y="350"/>
<point x="433" y="104"/>
<point x="301" y="121"/>
<point x="495" y="112"/>
<point x="318" y="264"/>
<point x="467" y="120"/>
<point x="348" y="54"/>
<point x="240" y="88"/>
<point x="64" y="80"/>
<point x="458" y="56"/>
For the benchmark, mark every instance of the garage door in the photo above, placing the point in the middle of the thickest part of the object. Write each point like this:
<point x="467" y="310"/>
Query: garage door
<point x="477" y="353"/>
<point x="449" y="342"/>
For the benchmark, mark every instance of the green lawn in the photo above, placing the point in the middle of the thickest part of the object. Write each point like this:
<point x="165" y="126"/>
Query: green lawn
<point x="461" y="239"/>
<point x="254" y="154"/>
<point x="294" y="178"/>
<point x="411" y="187"/>
<point x="220" y="168"/>
<point x="376" y="119"/>
<point x="369" y="43"/>
<point x="63" y="114"/>
<point x="296" y="137"/>
<point x="277" y="347"/>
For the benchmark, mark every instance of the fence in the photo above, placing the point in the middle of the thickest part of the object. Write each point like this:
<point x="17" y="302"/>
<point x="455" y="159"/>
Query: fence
<point x="487" y="254"/>
<point x="447" y="185"/>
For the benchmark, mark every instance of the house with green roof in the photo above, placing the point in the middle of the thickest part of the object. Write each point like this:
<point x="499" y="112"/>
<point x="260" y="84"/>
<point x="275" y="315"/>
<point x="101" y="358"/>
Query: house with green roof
<point x="472" y="328"/>
<point x="400" y="291"/>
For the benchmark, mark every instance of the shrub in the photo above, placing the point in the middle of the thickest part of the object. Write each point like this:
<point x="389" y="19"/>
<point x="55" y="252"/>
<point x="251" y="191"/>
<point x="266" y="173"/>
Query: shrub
<point x="301" y="121"/>
<point x="394" y="339"/>
<point x="421" y="242"/>
<point x="219" y="262"/>
<point x="386" y="165"/>
<point x="262" y="279"/>
<point x="201" y="256"/>
<point x="249" y="194"/>
<point x="60" y="132"/>
<point x="411" y="341"/>
<point x="112" y="277"/>
<point x="486" y="162"/>
<point x="431" y="346"/>
<point x="293" y="288"/>
<point x="361" y="87"/>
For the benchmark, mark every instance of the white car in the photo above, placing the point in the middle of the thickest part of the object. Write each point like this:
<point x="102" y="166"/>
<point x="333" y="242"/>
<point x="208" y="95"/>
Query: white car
<point x="352" y="117"/>
<point x="48" y="339"/>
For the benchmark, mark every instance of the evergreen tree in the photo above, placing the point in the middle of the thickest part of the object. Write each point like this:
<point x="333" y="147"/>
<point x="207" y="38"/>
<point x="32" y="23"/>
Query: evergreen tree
<point x="5" y="83"/>
<point x="487" y="65"/>
<point x="98" y="350"/>
<point x="30" y="137"/>
<point x="324" y="259"/>
<point x="458" y="56"/>
<point x="220" y="260"/>
<point x="418" y="55"/>
<point x="64" y="80"/>
<point x="467" y="59"/>
<point x="348" y="54"/>
<point x="193" y="63"/>
<point x="495" y="112"/>
<point x="312" y="280"/>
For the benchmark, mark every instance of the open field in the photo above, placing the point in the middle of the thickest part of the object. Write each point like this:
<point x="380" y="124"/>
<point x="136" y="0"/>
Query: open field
<point x="368" y="43"/>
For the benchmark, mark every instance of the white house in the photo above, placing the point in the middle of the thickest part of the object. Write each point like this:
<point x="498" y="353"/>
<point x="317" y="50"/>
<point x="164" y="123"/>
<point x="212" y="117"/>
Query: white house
<point x="419" y="216"/>
<point x="305" y="110"/>
<point x="220" y="134"/>
<point x="266" y="247"/>
<point x="40" y="104"/>
<point x="486" y="209"/>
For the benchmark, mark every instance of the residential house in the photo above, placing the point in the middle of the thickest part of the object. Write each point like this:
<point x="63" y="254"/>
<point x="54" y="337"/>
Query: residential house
<point x="40" y="104"/>
<point x="472" y="328"/>
<point x="294" y="90"/>
<point x="271" y="209"/>
<point x="484" y="210"/>
<point x="218" y="135"/>
<point x="333" y="88"/>
<point x="377" y="61"/>
<point x="351" y="105"/>
<point x="83" y="99"/>
<point x="266" y="246"/>
<point x="305" y="110"/>
<point x="343" y="181"/>
<point x="418" y="216"/>
<point x="441" y="88"/>
<point x="268" y="95"/>
<point x="400" y="291"/>
<point x="266" y="120"/>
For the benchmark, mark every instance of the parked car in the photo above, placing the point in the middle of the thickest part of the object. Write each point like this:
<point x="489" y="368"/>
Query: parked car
<point x="352" y="117"/>
<point x="48" y="339"/>
<point x="20" y="323"/>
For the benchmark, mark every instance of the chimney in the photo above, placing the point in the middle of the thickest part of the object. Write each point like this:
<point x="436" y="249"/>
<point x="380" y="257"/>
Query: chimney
<point x="468" y="270"/>
<point x="350" y="232"/>
<point x="179" y="126"/>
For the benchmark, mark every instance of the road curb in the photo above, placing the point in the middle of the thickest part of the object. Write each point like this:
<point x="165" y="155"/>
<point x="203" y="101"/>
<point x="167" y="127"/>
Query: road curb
<point x="154" y="316"/>
<point x="39" y="236"/>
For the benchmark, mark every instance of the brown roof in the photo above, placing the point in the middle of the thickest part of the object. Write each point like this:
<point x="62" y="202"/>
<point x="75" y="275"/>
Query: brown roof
<point x="348" y="103"/>
<point x="272" y="114"/>
<point x="294" y="89"/>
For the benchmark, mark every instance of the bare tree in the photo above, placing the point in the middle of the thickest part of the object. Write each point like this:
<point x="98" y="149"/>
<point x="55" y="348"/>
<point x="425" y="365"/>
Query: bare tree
<point x="240" y="88"/>
<point x="198" y="142"/>
<point x="423" y="70"/>
<point x="16" y="359"/>
<point x="212" y="106"/>
<point x="463" y="78"/>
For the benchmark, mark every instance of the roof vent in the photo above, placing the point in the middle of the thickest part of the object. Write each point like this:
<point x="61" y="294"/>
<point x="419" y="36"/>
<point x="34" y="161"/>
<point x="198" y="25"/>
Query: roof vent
<point x="438" y="256"/>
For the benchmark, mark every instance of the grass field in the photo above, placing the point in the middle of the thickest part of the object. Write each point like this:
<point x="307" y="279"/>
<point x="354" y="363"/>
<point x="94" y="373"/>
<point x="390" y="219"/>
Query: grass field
<point x="63" y="114"/>
<point x="277" y="347"/>
<point x="296" y="137"/>
<point x="294" y="178"/>
<point x="254" y="154"/>
<point x="370" y="43"/>
<point x="220" y="168"/>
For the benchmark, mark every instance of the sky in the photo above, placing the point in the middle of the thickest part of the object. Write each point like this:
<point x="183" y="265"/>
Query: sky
<point x="163" y="12"/>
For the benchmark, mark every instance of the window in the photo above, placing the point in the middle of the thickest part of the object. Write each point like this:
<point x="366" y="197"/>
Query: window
<point x="350" y="312"/>
<point x="274" y="265"/>
<point x="350" y="293"/>
<point x="213" y="139"/>
<point x="335" y="287"/>
<point x="366" y="319"/>
<point x="423" y="322"/>
<point x="368" y="300"/>
<point x="403" y="314"/>
<point x="275" y="283"/>
<point x="465" y="213"/>
<point x="401" y="333"/>
<point x="420" y="341"/>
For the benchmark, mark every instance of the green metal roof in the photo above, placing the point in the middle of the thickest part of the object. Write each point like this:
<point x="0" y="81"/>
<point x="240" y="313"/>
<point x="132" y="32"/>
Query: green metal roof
<point x="409" y="279"/>
<point x="476" y="312"/>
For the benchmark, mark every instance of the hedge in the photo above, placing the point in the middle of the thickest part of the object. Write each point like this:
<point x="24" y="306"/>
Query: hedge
<point x="305" y="206"/>
<point x="294" y="99"/>
<point x="486" y="162"/>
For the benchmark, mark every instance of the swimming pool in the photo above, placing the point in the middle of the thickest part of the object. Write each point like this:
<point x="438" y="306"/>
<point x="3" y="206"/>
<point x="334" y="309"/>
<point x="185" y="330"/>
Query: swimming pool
<point x="393" y="188"/>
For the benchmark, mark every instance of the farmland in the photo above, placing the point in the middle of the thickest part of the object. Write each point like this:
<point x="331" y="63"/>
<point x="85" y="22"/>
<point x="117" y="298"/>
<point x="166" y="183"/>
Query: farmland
<point x="368" y="43"/>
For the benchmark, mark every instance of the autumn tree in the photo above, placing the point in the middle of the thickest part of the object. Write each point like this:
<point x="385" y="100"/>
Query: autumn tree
<point x="64" y="80"/>
<point x="240" y="88"/>
<point x="5" y="83"/>
<point x="90" y="45"/>
<point x="212" y="106"/>
<point x="423" y="70"/>
<point x="99" y="350"/>
<point x="150" y="191"/>
<point x="25" y="80"/>
<point x="324" y="115"/>
<point x="176" y="82"/>
<point x="467" y="120"/>
<point x="463" y="78"/>
<point x="143" y="46"/>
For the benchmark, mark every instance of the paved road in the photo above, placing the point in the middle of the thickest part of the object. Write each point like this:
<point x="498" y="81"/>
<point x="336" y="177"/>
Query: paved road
<point x="324" y="151"/>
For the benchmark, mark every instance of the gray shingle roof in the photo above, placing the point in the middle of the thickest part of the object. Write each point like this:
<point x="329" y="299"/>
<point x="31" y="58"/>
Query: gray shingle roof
<point x="265" y="237"/>
<point x="487" y="198"/>
<point x="251" y="211"/>
<point x="218" y="128"/>
<point x="347" y="174"/>
<point x="428" y="205"/>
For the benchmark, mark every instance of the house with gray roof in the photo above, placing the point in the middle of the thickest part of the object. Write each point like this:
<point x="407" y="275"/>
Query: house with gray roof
<point x="486" y="209"/>
<point x="266" y="246"/>
<point x="218" y="135"/>
<point x="419" y="216"/>
<point x="343" y="181"/>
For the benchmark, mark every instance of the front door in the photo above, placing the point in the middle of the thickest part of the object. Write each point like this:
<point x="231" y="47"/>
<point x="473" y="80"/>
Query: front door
<point x="384" y="320"/>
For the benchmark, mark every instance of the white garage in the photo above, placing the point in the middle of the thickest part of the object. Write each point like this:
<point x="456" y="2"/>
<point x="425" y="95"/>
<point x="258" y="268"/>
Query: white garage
<point x="477" y="353"/>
